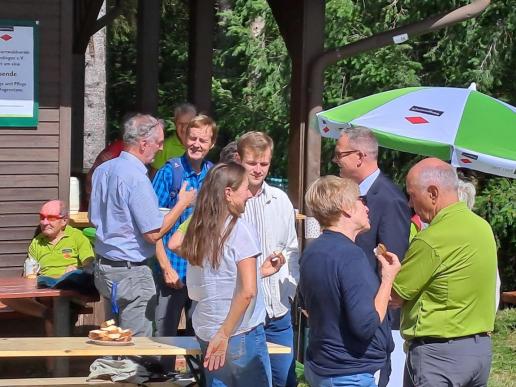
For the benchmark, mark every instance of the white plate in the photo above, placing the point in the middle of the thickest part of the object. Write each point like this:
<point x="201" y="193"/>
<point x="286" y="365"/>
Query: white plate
<point x="110" y="343"/>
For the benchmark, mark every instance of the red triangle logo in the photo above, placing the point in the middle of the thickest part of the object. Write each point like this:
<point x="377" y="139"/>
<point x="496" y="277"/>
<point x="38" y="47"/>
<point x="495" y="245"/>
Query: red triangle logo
<point x="6" y="37"/>
<point x="466" y="161"/>
<point x="326" y="129"/>
<point x="416" y="120"/>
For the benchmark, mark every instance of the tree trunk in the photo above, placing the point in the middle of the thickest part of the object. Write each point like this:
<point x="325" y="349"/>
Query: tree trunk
<point x="95" y="95"/>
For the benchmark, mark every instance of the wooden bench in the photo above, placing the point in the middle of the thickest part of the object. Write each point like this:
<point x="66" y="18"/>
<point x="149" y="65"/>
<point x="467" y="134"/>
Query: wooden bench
<point x="8" y="313"/>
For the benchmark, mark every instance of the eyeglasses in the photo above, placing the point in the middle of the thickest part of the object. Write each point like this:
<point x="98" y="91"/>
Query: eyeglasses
<point x="50" y="218"/>
<point x="337" y="156"/>
<point x="363" y="200"/>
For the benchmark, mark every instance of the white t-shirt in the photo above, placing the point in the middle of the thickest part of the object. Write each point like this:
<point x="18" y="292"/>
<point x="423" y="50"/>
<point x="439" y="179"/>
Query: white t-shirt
<point x="213" y="289"/>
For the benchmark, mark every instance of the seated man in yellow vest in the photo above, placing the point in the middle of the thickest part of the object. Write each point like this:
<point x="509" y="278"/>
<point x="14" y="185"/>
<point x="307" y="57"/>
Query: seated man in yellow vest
<point x="57" y="249"/>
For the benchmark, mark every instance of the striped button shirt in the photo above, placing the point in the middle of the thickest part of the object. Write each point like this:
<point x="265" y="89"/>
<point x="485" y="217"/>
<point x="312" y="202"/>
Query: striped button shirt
<point x="272" y="213"/>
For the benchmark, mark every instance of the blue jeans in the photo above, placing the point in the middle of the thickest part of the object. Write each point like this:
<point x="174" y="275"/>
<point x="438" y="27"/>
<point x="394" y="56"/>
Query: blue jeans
<point x="279" y="331"/>
<point x="358" y="380"/>
<point x="247" y="362"/>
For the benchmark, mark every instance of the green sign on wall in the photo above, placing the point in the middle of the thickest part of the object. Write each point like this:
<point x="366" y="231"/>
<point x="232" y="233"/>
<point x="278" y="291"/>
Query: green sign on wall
<point x="18" y="73"/>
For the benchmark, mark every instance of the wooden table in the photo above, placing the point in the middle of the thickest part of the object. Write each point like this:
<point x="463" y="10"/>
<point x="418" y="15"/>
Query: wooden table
<point x="80" y="220"/>
<point x="19" y="287"/>
<point x="81" y="346"/>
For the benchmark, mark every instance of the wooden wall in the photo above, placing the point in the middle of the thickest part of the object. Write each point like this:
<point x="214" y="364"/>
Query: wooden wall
<point x="35" y="162"/>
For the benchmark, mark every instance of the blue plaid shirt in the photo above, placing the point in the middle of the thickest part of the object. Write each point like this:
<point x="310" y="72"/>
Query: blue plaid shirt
<point x="163" y="184"/>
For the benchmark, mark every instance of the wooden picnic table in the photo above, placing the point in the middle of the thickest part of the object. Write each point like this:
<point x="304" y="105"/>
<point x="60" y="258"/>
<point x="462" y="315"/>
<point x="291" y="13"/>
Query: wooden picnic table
<point x="80" y="219"/>
<point x="20" y="287"/>
<point x="82" y="346"/>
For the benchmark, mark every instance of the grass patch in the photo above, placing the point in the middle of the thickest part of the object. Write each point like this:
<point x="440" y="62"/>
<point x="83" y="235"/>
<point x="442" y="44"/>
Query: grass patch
<point x="503" y="368"/>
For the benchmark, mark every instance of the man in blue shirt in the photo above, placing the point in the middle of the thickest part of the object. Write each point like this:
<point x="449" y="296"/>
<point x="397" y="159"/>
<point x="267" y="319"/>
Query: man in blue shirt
<point x="124" y="211"/>
<point x="170" y="273"/>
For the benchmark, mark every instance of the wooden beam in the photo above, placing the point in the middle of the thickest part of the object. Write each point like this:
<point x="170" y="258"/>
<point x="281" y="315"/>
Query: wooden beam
<point x="301" y="23"/>
<point x="147" y="60"/>
<point x="85" y="21"/>
<point x="65" y="100"/>
<point x="200" y="53"/>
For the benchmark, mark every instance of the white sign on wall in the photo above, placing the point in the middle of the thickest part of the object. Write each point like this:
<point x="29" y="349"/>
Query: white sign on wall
<point x="18" y="73"/>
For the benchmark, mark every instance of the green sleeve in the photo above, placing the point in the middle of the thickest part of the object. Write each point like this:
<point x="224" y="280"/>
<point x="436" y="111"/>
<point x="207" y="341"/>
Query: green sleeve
<point x="160" y="159"/>
<point x="84" y="247"/>
<point x="184" y="226"/>
<point x="33" y="249"/>
<point x="418" y="267"/>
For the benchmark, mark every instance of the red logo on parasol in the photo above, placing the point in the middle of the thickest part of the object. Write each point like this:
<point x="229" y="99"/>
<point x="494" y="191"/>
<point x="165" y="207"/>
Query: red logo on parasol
<point x="326" y="129"/>
<point x="466" y="161"/>
<point x="6" y="37"/>
<point x="416" y="120"/>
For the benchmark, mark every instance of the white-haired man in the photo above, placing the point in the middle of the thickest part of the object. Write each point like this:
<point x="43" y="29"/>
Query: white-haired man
<point x="124" y="210"/>
<point x="446" y="285"/>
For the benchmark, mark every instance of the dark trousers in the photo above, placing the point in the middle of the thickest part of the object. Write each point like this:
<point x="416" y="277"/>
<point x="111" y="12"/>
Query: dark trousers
<point x="464" y="362"/>
<point x="170" y="303"/>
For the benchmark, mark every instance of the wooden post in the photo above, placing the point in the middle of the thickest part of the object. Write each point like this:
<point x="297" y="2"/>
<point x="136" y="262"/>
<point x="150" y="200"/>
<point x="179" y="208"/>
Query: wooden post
<point x="301" y="23"/>
<point x="147" y="56"/>
<point x="65" y="100"/>
<point x="200" y="53"/>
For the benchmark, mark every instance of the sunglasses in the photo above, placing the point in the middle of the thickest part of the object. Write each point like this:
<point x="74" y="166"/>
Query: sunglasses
<point x="50" y="218"/>
<point x="363" y="200"/>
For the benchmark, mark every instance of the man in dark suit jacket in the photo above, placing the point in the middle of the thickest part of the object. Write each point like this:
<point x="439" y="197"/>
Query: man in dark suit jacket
<point x="356" y="154"/>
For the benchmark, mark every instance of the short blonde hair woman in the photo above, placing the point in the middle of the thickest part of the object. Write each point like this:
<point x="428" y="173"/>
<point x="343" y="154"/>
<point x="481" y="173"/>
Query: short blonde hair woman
<point x="346" y="303"/>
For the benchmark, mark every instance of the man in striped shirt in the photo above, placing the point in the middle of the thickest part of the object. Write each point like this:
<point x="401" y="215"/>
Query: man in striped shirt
<point x="272" y="213"/>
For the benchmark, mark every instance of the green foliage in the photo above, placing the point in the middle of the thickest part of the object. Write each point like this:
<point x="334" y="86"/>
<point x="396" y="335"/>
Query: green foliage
<point x="497" y="204"/>
<point x="252" y="76"/>
<point x="121" y="69"/>
<point x="252" y="73"/>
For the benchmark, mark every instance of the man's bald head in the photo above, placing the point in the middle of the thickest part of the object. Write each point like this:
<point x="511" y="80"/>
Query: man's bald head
<point x="432" y="171"/>
<point x="53" y="218"/>
<point x="432" y="186"/>
<point x="55" y="207"/>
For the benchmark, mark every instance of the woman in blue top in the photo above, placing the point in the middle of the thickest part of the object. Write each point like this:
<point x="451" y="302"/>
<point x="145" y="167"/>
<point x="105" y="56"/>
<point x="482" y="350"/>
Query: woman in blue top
<point x="346" y="303"/>
<point x="223" y="278"/>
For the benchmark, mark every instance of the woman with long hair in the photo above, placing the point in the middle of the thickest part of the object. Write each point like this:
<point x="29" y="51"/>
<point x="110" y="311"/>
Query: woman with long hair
<point x="223" y="278"/>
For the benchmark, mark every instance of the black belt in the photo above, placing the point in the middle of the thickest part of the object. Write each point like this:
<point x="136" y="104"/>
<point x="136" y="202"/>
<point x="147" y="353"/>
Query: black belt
<point x="432" y="340"/>
<point x="128" y="264"/>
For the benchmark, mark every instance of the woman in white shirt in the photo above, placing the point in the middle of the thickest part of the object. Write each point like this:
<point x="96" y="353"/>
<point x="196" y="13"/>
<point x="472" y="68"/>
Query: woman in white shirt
<point x="222" y="277"/>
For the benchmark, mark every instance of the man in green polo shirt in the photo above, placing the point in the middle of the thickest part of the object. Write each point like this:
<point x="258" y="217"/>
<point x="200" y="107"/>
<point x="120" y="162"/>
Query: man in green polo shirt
<point x="174" y="145"/>
<point x="58" y="249"/>
<point x="446" y="285"/>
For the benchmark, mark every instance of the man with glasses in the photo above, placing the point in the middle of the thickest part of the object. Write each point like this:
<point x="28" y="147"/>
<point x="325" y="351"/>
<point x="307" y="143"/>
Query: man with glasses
<point x="356" y="154"/>
<point x="124" y="210"/>
<point x="57" y="249"/>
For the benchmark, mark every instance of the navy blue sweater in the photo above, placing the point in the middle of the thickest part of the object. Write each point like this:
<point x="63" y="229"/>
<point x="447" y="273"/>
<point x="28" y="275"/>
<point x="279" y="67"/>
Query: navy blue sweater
<point x="337" y="287"/>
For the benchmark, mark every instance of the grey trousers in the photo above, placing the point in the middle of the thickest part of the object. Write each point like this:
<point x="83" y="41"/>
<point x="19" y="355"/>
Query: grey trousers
<point x="454" y="363"/>
<point x="134" y="295"/>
